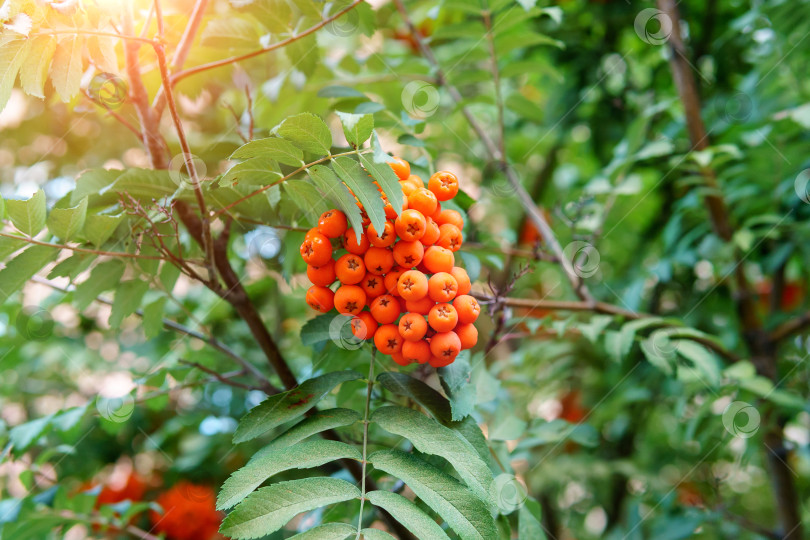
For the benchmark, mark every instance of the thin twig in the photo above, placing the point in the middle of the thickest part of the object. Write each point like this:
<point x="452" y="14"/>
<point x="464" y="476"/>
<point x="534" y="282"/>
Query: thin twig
<point x="496" y="155"/>
<point x="122" y="254"/>
<point x="191" y="167"/>
<point x="791" y="327"/>
<point x="177" y="77"/>
<point x="181" y="329"/>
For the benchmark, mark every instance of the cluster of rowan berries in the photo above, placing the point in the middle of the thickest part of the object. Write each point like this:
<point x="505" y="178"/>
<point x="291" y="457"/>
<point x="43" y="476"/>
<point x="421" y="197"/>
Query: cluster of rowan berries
<point x="400" y="285"/>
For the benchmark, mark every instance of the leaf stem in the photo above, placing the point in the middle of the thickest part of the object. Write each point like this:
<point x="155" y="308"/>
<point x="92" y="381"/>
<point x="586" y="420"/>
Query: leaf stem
<point x="369" y="388"/>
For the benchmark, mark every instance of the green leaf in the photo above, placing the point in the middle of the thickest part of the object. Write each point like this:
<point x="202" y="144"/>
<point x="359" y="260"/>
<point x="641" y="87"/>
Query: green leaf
<point x="91" y="182"/>
<point x="303" y="455"/>
<point x="66" y="69"/>
<point x="363" y="188"/>
<point x="530" y="524"/>
<point x="388" y="180"/>
<point x="29" y="215"/>
<point x="455" y="379"/>
<point x="356" y="127"/>
<point x="289" y="405"/>
<point x="304" y="54"/>
<point x="98" y="228"/>
<point x="24" y="435"/>
<point x="22" y="267"/>
<point x="376" y="534"/>
<point x="72" y="266"/>
<point x="327" y="531"/>
<point x="153" y="318"/>
<point x="407" y="513"/>
<point x="308" y="132"/>
<point x="32" y="78"/>
<point x="405" y="385"/>
<point x="148" y="184"/>
<point x="64" y="223"/>
<point x="704" y="361"/>
<point x="430" y="437"/>
<point x="128" y="296"/>
<point x="316" y="423"/>
<point x="270" y="508"/>
<point x="463" y="511"/>
<point x="12" y="55"/>
<point x="307" y="199"/>
<point x="331" y="187"/>
<point x="103" y="277"/>
<point x="271" y="148"/>
<point x="258" y="171"/>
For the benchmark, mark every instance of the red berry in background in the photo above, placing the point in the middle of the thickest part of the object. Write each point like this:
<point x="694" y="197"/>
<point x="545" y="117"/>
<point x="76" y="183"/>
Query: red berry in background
<point x="189" y="513"/>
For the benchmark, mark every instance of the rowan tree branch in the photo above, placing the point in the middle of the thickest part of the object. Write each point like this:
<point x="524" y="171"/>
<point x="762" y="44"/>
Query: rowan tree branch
<point x="760" y="343"/>
<point x="177" y="77"/>
<point x="500" y="158"/>
<point x="791" y="327"/>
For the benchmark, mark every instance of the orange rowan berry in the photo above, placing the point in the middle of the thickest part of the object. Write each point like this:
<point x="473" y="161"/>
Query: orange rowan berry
<point x="332" y="223"/>
<point x="387" y="339"/>
<point x="390" y="212"/>
<point x="463" y="280"/>
<point x="351" y="245"/>
<point x="363" y="325"/>
<point x="437" y="362"/>
<point x="410" y="225"/>
<point x="350" y="269"/>
<point x="467" y="307"/>
<point x="445" y="346"/>
<point x="416" y="351"/>
<point x="401" y="167"/>
<point x="423" y="200"/>
<point x="407" y="188"/>
<point x="443" y="317"/>
<point x="467" y="334"/>
<point x="412" y="285"/>
<point x="412" y="327"/>
<point x="431" y="232"/>
<point x="384" y="239"/>
<point x="442" y="287"/>
<point x="379" y="260"/>
<point x="320" y="298"/>
<point x="408" y="254"/>
<point x="372" y="285"/>
<point x="350" y="299"/>
<point x="416" y="181"/>
<point x="452" y="217"/>
<point x="438" y="259"/>
<point x="421" y="306"/>
<point x="391" y="279"/>
<point x="450" y="237"/>
<point x="400" y="359"/>
<point x="385" y="309"/>
<point x="444" y="185"/>
<point x="316" y="249"/>
<point x="323" y="275"/>
<point x="435" y="215"/>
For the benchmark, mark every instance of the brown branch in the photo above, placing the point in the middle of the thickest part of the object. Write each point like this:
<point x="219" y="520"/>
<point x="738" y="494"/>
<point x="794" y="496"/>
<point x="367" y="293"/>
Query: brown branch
<point x="496" y="155"/>
<point x="565" y="305"/>
<point x="791" y="327"/>
<point x="182" y="50"/>
<point x="763" y="348"/>
<point x="177" y="77"/>
<point x="224" y="378"/>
